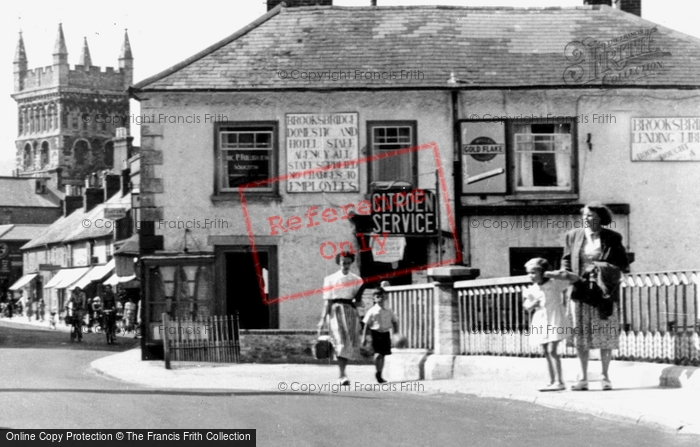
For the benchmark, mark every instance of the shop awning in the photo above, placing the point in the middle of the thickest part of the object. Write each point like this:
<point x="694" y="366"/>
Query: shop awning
<point x="83" y="281"/>
<point x="76" y="274"/>
<point x="97" y="273"/>
<point x="66" y="277"/>
<point x="114" y="279"/>
<point x="57" y="278"/>
<point x="23" y="281"/>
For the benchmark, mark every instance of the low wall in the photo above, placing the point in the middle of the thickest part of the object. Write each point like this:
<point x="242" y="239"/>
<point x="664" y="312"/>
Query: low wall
<point x="284" y="346"/>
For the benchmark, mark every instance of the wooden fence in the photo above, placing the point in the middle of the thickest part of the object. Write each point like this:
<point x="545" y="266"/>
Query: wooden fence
<point x="211" y="339"/>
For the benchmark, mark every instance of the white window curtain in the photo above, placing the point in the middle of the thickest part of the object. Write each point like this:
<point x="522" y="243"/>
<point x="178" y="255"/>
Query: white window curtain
<point x="525" y="145"/>
<point x="562" y="158"/>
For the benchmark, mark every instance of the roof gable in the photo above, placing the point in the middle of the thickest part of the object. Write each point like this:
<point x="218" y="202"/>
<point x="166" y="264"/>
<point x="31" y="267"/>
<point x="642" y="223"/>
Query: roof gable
<point x="74" y="227"/>
<point x="22" y="232"/>
<point x="484" y="47"/>
<point x="21" y="192"/>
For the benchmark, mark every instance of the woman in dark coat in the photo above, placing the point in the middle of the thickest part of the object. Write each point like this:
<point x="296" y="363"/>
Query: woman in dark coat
<point x="584" y="247"/>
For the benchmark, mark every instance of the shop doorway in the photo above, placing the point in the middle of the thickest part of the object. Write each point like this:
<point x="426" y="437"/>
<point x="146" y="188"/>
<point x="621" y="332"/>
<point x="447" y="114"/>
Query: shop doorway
<point x="243" y="292"/>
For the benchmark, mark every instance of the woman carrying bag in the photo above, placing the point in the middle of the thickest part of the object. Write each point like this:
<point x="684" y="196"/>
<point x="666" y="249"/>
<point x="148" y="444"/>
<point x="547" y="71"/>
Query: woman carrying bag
<point x="341" y="291"/>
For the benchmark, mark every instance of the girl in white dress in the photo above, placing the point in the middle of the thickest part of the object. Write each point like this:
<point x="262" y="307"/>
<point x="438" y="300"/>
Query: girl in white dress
<point x="549" y="324"/>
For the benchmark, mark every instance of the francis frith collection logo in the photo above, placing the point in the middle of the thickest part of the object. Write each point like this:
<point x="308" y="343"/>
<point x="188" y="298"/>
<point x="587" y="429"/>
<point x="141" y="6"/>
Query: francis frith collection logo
<point x="621" y="60"/>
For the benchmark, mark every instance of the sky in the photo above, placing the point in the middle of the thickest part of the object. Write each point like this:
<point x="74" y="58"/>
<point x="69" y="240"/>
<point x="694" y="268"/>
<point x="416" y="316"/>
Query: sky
<point x="164" y="33"/>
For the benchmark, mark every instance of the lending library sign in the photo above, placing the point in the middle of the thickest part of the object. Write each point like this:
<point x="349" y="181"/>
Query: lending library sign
<point x="408" y="213"/>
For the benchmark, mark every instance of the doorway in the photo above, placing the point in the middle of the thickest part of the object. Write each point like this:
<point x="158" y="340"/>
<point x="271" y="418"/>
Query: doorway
<point x="243" y="292"/>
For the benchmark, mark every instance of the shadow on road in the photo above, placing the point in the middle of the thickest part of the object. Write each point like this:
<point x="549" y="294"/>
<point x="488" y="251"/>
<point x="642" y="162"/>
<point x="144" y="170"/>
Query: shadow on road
<point x="27" y="337"/>
<point x="199" y="393"/>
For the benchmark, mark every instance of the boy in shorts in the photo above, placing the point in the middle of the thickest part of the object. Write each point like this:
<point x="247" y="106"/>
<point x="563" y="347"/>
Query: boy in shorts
<point x="380" y="321"/>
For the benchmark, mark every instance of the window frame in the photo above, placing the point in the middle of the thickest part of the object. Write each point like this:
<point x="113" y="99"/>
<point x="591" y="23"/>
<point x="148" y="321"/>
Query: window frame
<point x="370" y="126"/>
<point x="512" y="160"/>
<point x="219" y="127"/>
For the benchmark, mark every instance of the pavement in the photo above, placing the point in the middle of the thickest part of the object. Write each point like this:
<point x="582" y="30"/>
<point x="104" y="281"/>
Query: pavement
<point x="637" y="396"/>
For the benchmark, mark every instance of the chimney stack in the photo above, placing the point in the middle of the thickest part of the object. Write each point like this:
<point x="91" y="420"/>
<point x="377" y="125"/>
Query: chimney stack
<point x="296" y="3"/>
<point x="111" y="184"/>
<point x="629" y="6"/>
<point x="93" y="194"/>
<point x="71" y="202"/>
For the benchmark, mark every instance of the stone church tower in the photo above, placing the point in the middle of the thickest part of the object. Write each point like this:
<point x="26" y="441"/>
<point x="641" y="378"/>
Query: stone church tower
<point x="67" y="117"/>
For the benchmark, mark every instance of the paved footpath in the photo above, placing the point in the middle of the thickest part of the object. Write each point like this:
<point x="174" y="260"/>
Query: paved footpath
<point x="675" y="409"/>
<point x="637" y="397"/>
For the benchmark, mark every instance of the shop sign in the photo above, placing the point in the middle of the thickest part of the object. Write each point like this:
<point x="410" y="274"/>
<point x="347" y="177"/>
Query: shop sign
<point x="666" y="139"/>
<point x="115" y="213"/>
<point x="322" y="152"/>
<point x="412" y="213"/>
<point x="483" y="156"/>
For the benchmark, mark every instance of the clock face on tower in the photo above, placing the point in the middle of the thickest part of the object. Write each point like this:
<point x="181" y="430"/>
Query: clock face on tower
<point x="4" y="250"/>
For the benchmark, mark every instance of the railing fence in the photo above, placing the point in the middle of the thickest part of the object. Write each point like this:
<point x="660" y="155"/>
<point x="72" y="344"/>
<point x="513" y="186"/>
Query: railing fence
<point x="203" y="339"/>
<point x="658" y="318"/>
<point x="414" y="307"/>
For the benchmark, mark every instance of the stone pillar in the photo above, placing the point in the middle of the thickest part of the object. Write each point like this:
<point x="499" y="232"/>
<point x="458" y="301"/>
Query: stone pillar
<point x="440" y="365"/>
<point x="446" y="314"/>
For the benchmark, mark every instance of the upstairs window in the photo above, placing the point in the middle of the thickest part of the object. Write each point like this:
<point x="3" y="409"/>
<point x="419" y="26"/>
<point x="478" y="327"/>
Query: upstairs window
<point x="388" y="136"/>
<point x="543" y="157"/>
<point x="245" y="155"/>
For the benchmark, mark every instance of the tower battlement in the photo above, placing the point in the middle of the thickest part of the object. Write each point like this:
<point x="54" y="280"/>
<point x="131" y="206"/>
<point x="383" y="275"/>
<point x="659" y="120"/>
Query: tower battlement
<point x="81" y="75"/>
<point x="58" y="129"/>
<point x="100" y="78"/>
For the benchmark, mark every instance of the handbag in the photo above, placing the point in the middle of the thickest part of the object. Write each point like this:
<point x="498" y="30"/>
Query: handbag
<point x="323" y="347"/>
<point x="589" y="292"/>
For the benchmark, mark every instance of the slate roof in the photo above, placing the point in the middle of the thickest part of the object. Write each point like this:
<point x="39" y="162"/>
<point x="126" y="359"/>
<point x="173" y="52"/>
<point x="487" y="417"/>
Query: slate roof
<point x="71" y="228"/>
<point x="21" y="192"/>
<point x="21" y="232"/>
<point x="483" y="47"/>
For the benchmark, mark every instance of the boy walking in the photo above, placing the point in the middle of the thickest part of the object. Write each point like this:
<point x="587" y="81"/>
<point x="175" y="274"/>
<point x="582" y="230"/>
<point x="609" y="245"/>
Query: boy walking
<point x="380" y="321"/>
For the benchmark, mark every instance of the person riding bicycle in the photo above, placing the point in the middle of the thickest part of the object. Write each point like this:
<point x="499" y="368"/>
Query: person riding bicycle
<point x="77" y="303"/>
<point x="109" y="304"/>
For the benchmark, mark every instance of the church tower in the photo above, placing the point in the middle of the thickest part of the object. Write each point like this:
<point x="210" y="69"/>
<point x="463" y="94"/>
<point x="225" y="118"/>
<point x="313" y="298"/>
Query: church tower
<point x="67" y="116"/>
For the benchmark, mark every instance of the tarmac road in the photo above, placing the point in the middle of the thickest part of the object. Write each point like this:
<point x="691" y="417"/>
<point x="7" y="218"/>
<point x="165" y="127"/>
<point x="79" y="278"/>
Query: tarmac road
<point x="47" y="383"/>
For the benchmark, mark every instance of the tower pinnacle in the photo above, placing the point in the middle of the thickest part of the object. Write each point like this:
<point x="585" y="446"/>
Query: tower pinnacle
<point x="85" y="59"/>
<point x="20" y="53"/>
<point x="126" y="47"/>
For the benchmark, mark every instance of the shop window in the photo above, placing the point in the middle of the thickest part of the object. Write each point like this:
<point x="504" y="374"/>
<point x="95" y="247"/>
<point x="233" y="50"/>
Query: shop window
<point x="543" y="157"/>
<point x="245" y="156"/>
<point x="385" y="137"/>
<point x="182" y="291"/>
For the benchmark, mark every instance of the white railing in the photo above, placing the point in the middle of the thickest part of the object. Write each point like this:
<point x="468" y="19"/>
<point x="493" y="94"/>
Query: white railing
<point x="492" y="320"/>
<point x="659" y="317"/>
<point x="414" y="307"/>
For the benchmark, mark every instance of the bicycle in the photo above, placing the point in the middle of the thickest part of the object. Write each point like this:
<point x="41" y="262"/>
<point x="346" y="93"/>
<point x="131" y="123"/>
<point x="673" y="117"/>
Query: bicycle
<point x="76" y="330"/>
<point x="109" y="325"/>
